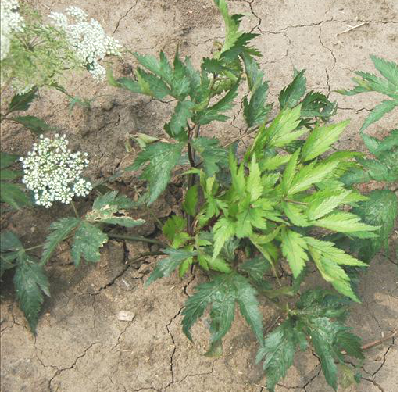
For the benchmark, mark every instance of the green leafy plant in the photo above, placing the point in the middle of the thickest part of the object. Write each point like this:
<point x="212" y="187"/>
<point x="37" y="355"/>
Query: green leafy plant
<point x="382" y="206"/>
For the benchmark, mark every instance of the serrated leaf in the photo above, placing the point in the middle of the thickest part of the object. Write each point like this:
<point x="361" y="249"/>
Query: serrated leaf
<point x="323" y="202"/>
<point x="179" y="120"/>
<point x="214" y="113"/>
<point x="309" y="175"/>
<point x="256" y="267"/>
<point x="191" y="200"/>
<point x="343" y="222"/>
<point x="129" y="84"/>
<point x="223" y="230"/>
<point x="167" y="265"/>
<point x="33" y="123"/>
<point x="59" y="232"/>
<point x="321" y="139"/>
<point x="317" y="105"/>
<point x="254" y="186"/>
<point x="218" y="264"/>
<point x="161" y="158"/>
<point x="30" y="282"/>
<point x="173" y="226"/>
<point x="254" y="74"/>
<point x="213" y="156"/>
<point x="386" y="68"/>
<point x="256" y="110"/>
<point x="294" y="249"/>
<point x="380" y="209"/>
<point x="295" y="214"/>
<point x="290" y="171"/>
<point x="291" y="95"/>
<point x="378" y="112"/>
<point x="87" y="241"/>
<point x="7" y="160"/>
<point x="152" y="85"/>
<point x="272" y="163"/>
<point x="13" y="195"/>
<point x="22" y="102"/>
<point x="278" y="350"/>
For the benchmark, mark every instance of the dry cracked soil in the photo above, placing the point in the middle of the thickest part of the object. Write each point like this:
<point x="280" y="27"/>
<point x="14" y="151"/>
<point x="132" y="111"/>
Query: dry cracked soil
<point x="81" y="343"/>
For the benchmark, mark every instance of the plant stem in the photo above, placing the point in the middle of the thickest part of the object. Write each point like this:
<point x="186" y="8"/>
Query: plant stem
<point x="74" y="209"/>
<point x="135" y="239"/>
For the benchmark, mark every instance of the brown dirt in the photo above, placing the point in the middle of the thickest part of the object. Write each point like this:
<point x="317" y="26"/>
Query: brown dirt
<point x="81" y="344"/>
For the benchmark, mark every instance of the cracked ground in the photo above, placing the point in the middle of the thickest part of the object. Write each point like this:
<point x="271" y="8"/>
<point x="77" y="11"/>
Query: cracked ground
<point x="81" y="345"/>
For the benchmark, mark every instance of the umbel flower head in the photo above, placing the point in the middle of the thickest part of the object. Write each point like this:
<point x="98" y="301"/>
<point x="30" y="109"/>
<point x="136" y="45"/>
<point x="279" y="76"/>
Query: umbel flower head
<point x="53" y="172"/>
<point x="87" y="38"/>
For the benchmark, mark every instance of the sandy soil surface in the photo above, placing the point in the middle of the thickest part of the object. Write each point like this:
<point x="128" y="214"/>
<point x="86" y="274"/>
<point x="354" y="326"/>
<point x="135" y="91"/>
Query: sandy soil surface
<point x="82" y="345"/>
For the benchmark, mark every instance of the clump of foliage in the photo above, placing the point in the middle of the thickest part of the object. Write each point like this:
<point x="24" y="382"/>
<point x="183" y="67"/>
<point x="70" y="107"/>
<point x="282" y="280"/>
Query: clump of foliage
<point x="286" y="199"/>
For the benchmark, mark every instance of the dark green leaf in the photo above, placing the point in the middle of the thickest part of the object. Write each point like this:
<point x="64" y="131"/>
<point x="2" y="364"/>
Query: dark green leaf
<point x="161" y="158"/>
<point x="378" y="112"/>
<point x="87" y="241"/>
<point x="179" y="121"/>
<point x="256" y="267"/>
<point x="13" y="195"/>
<point x="33" y="123"/>
<point x="290" y="96"/>
<point x="30" y="281"/>
<point x="7" y="160"/>
<point x="21" y="102"/>
<point x="9" y="242"/>
<point x="167" y="265"/>
<point x="255" y="110"/>
<point x="60" y="231"/>
<point x="191" y="201"/>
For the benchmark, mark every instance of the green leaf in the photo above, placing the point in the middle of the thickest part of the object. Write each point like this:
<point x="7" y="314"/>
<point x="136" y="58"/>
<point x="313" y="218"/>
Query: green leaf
<point x="290" y="171"/>
<point x="9" y="241"/>
<point x="222" y="293"/>
<point x="7" y="160"/>
<point x="254" y="186"/>
<point x="214" y="113"/>
<point x="213" y="156"/>
<point x="323" y="202"/>
<point x="21" y="102"/>
<point x="13" y="195"/>
<point x="60" y="231"/>
<point x="152" y="85"/>
<point x="161" y="158"/>
<point x="30" y="282"/>
<point x="295" y="214"/>
<point x="343" y="222"/>
<point x="321" y="139"/>
<point x="291" y="95"/>
<point x="381" y="209"/>
<point x="309" y="175"/>
<point x="256" y="267"/>
<point x="254" y="74"/>
<point x="7" y="174"/>
<point x="255" y="110"/>
<point x="167" y="265"/>
<point x="87" y="241"/>
<point x="278" y="350"/>
<point x="272" y="163"/>
<point x="33" y="123"/>
<point x="179" y="120"/>
<point x="223" y="230"/>
<point x="191" y="201"/>
<point x="378" y="112"/>
<point x="294" y="249"/>
<point x="218" y="264"/>
<point x="173" y="230"/>
<point x="129" y="84"/>
<point x="316" y="105"/>
<point x="386" y="68"/>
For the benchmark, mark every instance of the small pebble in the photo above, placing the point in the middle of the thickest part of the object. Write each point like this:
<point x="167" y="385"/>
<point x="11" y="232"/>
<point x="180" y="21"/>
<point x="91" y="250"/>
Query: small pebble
<point x="126" y="316"/>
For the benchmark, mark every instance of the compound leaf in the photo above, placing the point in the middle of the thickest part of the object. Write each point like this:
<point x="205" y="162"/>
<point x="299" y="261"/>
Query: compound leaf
<point x="161" y="158"/>
<point x="294" y="249"/>
<point x="223" y="230"/>
<point x="87" y="241"/>
<point x="60" y="231"/>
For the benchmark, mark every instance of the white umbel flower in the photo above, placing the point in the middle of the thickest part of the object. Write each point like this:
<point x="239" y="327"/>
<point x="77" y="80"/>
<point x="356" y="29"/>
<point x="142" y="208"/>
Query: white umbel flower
<point x="11" y="21"/>
<point x="87" y="38"/>
<point x="53" y="172"/>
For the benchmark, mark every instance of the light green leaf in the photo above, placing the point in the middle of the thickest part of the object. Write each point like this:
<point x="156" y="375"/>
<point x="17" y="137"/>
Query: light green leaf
<point x="290" y="171"/>
<point x="191" y="201"/>
<point x="343" y="222"/>
<point x="87" y="241"/>
<point x="323" y="202"/>
<point x="60" y="230"/>
<point x="272" y="163"/>
<point x="294" y="249"/>
<point x="161" y="158"/>
<point x="223" y="230"/>
<point x="321" y="138"/>
<point x="388" y="69"/>
<point x="378" y="112"/>
<point x="218" y="264"/>
<point x="173" y="228"/>
<point x="295" y="214"/>
<point x="254" y="186"/>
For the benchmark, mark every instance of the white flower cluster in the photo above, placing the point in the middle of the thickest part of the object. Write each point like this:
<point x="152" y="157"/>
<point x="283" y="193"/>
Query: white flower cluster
<point x="11" y="21"/>
<point x="53" y="172"/>
<point x="87" y="38"/>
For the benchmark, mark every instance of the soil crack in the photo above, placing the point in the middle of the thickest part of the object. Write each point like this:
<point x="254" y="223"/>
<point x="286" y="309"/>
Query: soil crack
<point x="124" y="16"/>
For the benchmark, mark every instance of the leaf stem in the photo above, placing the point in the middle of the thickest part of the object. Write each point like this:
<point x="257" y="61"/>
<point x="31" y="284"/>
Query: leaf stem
<point x="74" y="209"/>
<point x="135" y="239"/>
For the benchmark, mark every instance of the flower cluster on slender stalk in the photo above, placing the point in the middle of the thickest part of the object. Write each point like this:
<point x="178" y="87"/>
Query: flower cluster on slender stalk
<point x="87" y="38"/>
<point x="53" y="172"/>
<point x="11" y="21"/>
